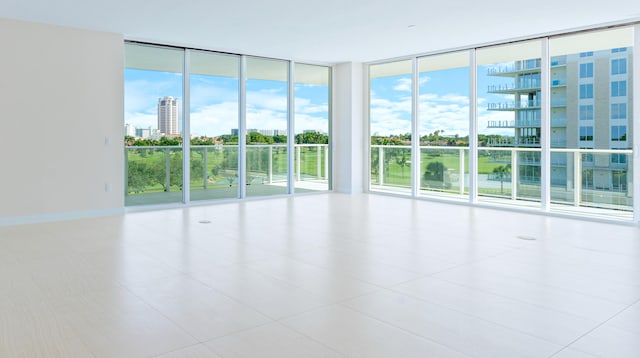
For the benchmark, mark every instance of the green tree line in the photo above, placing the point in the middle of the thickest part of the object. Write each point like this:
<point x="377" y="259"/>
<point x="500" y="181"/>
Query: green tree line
<point x="252" y="138"/>
<point x="437" y="138"/>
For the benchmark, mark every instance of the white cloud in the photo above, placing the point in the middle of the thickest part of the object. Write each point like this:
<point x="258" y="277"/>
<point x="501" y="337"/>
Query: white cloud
<point x="448" y="113"/>
<point x="403" y="85"/>
<point x="215" y="119"/>
<point x="390" y="117"/>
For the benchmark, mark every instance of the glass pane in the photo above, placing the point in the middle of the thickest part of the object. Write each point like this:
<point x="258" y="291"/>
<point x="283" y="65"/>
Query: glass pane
<point x="591" y="120"/>
<point x="312" y="127"/>
<point x="214" y="125"/>
<point x="267" y="111"/>
<point x="390" y="89"/>
<point x="443" y="124"/>
<point x="153" y="124"/>
<point x="509" y="114"/>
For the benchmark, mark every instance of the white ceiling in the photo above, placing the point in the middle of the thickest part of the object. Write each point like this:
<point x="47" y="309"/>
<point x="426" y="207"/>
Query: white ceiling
<point x="329" y="31"/>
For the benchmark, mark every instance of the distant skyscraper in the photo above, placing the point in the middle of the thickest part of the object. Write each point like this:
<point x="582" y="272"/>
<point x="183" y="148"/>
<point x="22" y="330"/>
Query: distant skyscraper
<point x="129" y="130"/>
<point x="168" y="116"/>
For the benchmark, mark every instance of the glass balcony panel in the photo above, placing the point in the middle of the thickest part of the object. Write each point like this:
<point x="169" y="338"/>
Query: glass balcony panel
<point x="444" y="170"/>
<point x="153" y="175"/>
<point x="494" y="173"/>
<point x="391" y="168"/>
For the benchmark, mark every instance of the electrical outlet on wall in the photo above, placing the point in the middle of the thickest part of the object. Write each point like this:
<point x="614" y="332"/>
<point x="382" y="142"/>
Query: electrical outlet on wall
<point x="107" y="187"/>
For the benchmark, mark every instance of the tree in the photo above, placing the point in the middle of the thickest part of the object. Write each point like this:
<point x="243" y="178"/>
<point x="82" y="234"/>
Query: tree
<point x="402" y="161"/>
<point x="502" y="173"/>
<point x="229" y="139"/>
<point x="139" y="176"/>
<point x="436" y="175"/>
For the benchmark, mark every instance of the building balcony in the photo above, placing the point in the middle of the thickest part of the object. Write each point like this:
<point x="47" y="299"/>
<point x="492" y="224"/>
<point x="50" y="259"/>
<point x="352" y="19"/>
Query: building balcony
<point x="530" y="86"/>
<point x="514" y="124"/>
<point x="513" y="89"/>
<point x="501" y="124"/>
<point x="526" y="66"/>
<point x="513" y="142"/>
<point x="514" y="68"/>
<point x="558" y="61"/>
<point x="154" y="174"/>
<point x="507" y="173"/>
<point x="514" y="106"/>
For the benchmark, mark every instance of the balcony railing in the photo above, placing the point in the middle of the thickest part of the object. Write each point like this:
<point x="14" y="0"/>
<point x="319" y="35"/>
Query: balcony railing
<point x="513" y="142"/>
<point x="510" y="173"/>
<point x="514" y="67"/>
<point x="501" y="124"/>
<point x="520" y="123"/>
<point x="509" y="106"/>
<point x="511" y="87"/>
<point x="159" y="168"/>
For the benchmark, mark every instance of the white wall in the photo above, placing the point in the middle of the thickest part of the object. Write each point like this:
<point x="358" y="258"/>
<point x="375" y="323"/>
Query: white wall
<point x="62" y="125"/>
<point x="348" y="128"/>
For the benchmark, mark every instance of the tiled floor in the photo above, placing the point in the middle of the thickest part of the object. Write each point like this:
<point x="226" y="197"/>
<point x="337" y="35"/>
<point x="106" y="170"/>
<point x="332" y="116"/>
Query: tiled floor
<point x="328" y="275"/>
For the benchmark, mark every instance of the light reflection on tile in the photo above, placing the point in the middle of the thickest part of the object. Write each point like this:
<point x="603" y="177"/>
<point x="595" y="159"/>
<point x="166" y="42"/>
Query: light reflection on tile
<point x="325" y="275"/>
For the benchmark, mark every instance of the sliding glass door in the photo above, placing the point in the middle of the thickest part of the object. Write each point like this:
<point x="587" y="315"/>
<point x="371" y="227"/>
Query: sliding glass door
<point x="201" y="125"/>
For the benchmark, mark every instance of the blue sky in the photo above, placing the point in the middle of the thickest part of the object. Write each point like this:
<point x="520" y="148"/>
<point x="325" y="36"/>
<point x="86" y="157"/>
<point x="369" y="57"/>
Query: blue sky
<point x="214" y="102"/>
<point x="443" y="103"/>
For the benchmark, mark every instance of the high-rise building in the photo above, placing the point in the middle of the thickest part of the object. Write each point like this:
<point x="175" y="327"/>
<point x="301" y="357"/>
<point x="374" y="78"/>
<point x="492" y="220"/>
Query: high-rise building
<point x="129" y="130"/>
<point x="168" y="116"/>
<point x="590" y="94"/>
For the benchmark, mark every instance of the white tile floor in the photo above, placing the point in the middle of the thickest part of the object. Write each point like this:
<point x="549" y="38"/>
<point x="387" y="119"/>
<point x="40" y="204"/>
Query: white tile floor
<point x="321" y="276"/>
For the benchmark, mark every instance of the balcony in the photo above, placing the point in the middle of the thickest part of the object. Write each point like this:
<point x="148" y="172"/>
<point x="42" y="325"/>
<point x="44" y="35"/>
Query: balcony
<point x="515" y="68"/>
<point x="154" y="174"/>
<point x="513" y="89"/>
<point x="444" y="172"/>
<point x="501" y="124"/>
<point x="558" y="61"/>
<point x="514" y="142"/>
<point x="513" y="106"/>
<point x="521" y="123"/>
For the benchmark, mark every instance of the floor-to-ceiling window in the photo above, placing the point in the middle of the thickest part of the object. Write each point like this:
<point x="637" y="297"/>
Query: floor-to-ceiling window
<point x="312" y="93"/>
<point x="551" y="125"/>
<point x="238" y="115"/>
<point x="214" y="81"/>
<point x="509" y="122"/>
<point x="443" y="124"/>
<point x="390" y="103"/>
<point x="591" y="119"/>
<point x="153" y="103"/>
<point x="266" y="126"/>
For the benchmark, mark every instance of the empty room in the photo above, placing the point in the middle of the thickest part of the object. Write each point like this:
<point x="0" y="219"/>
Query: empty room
<point x="362" y="179"/>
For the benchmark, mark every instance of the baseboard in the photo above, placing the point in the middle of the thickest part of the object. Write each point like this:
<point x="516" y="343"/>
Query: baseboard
<point x="73" y="215"/>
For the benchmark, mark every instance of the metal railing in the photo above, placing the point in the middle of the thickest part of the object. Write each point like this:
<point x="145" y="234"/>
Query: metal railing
<point x="516" y="66"/>
<point x="512" y="141"/>
<point x="513" y="105"/>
